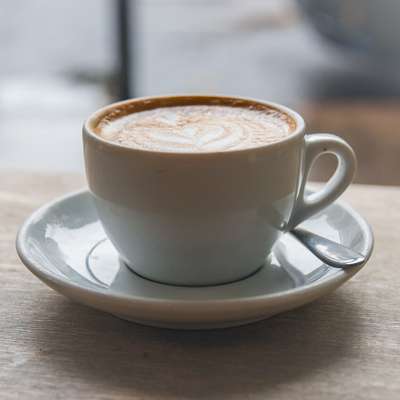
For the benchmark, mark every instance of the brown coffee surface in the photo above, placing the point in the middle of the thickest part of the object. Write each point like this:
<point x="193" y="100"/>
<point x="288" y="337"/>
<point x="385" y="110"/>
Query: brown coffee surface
<point x="197" y="128"/>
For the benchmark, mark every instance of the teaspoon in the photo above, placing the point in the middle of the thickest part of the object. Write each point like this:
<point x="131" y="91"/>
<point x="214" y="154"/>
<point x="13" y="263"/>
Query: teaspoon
<point x="332" y="253"/>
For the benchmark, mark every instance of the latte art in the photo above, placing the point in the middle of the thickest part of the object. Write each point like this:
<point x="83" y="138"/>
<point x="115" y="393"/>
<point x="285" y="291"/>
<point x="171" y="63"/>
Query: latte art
<point x="197" y="128"/>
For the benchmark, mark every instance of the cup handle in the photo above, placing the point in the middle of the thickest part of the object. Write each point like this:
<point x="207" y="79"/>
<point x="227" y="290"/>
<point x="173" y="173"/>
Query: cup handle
<point x="315" y="146"/>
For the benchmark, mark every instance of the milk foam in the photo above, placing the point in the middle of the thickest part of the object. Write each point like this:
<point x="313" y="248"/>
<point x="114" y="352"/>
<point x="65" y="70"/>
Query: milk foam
<point x="197" y="128"/>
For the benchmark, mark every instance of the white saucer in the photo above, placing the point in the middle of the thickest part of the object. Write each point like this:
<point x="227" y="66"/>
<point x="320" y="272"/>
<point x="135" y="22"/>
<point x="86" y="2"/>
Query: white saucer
<point x="64" y="245"/>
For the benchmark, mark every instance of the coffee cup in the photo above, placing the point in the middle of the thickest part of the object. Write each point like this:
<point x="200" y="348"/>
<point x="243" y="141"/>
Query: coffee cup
<point x="207" y="217"/>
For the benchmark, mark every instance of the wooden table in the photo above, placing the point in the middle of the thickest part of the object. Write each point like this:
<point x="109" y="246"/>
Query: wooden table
<point x="344" y="346"/>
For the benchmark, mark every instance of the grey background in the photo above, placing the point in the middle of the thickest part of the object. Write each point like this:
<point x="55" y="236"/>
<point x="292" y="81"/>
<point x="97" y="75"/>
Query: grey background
<point x="58" y="62"/>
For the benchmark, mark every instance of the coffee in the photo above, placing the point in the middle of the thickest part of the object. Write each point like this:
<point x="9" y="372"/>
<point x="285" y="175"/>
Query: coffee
<point x="196" y="128"/>
<point x="193" y="212"/>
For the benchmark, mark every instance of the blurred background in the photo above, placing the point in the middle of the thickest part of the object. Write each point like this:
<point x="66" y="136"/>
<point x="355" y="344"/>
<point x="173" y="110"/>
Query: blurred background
<point x="335" y="61"/>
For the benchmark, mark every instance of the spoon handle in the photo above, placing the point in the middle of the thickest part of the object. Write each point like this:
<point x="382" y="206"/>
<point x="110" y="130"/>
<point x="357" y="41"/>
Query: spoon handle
<point x="331" y="253"/>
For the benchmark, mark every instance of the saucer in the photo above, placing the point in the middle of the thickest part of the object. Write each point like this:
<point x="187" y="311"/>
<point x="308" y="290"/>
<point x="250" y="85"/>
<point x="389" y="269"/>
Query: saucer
<point x="64" y="245"/>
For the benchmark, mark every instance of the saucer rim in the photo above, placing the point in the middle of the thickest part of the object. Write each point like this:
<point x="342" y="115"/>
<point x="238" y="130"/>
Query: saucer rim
<point x="56" y="281"/>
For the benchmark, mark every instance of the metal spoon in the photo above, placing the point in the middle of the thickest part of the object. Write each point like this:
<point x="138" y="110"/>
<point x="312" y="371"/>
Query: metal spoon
<point x="334" y="254"/>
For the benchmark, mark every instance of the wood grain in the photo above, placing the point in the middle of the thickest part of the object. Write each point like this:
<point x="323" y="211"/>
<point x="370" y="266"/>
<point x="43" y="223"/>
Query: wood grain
<point x="344" y="346"/>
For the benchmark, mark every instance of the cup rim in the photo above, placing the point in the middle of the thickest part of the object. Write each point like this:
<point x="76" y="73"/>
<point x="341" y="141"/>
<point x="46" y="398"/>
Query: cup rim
<point x="297" y="132"/>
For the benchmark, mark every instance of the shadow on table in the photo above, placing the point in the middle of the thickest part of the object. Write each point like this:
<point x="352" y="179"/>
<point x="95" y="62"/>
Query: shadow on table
<point x="118" y="356"/>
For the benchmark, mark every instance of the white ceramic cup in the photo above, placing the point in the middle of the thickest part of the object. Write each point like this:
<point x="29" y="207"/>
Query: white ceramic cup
<point x="206" y="218"/>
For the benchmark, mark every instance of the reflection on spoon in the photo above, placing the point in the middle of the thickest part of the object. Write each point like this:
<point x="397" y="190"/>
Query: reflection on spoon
<point x="332" y="253"/>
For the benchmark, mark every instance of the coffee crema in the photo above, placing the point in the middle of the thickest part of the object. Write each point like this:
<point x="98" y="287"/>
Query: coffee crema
<point x="196" y="128"/>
